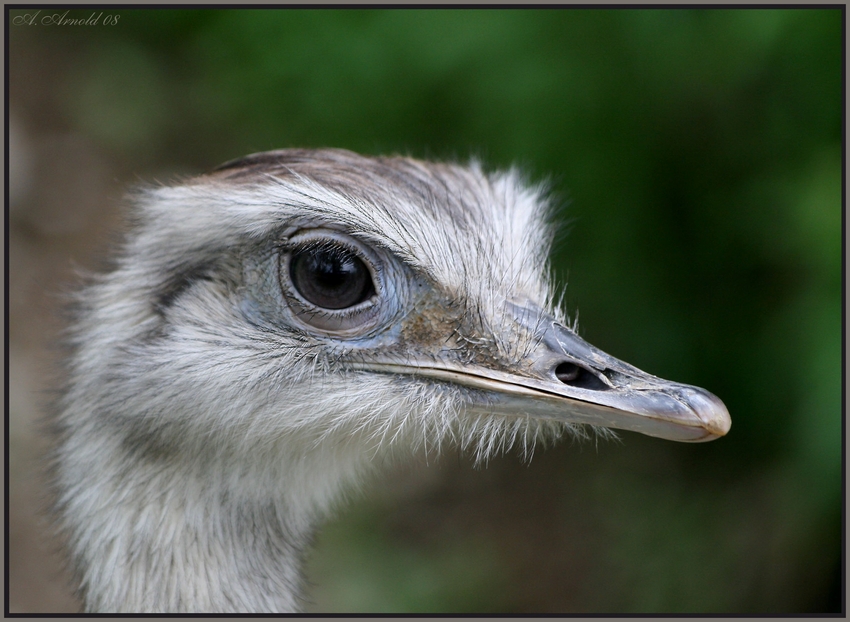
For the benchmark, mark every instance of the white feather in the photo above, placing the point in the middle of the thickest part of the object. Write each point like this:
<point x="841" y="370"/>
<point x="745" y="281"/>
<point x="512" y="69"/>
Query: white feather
<point x="198" y="451"/>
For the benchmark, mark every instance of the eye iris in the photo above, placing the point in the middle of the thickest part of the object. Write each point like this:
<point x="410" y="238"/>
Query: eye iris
<point x="330" y="277"/>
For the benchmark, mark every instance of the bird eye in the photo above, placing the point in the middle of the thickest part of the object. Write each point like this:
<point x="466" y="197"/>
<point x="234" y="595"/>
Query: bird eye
<point x="332" y="282"/>
<point x="330" y="276"/>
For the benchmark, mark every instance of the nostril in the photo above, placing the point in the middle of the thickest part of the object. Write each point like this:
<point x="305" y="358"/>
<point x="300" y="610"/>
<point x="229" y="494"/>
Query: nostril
<point x="575" y="376"/>
<point x="567" y="372"/>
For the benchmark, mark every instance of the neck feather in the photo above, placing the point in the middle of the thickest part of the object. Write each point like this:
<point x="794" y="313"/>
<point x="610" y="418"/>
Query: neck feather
<point x="223" y="533"/>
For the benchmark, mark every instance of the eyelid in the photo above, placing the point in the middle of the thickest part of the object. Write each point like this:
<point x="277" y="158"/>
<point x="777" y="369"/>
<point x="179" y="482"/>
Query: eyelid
<point x="317" y="238"/>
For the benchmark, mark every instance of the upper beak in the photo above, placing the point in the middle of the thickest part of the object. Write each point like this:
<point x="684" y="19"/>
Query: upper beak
<point x="565" y="378"/>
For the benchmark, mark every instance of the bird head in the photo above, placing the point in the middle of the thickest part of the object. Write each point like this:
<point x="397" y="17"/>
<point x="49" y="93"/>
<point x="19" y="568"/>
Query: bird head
<point x="341" y="299"/>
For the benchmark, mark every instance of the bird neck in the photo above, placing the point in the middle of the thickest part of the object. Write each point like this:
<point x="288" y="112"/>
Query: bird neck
<point x="209" y="535"/>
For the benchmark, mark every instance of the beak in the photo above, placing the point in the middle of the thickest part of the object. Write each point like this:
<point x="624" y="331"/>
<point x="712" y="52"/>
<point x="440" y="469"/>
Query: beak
<point x="564" y="378"/>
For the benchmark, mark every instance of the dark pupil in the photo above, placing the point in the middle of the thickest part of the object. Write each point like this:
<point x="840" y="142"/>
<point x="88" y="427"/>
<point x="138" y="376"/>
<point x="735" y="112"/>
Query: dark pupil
<point x="330" y="277"/>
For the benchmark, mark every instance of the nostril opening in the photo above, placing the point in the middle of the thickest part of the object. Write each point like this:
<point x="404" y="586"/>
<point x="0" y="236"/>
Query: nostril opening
<point x="567" y="372"/>
<point x="575" y="376"/>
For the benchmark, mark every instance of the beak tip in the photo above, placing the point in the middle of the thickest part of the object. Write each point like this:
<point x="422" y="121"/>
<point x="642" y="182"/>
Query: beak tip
<point x="711" y="411"/>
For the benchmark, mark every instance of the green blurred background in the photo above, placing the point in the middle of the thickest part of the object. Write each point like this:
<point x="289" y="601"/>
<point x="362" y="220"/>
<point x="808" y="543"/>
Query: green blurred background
<point x="697" y="157"/>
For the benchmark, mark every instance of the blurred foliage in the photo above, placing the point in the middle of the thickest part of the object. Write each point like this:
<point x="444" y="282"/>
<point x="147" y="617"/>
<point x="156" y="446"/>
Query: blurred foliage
<point x="697" y="160"/>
